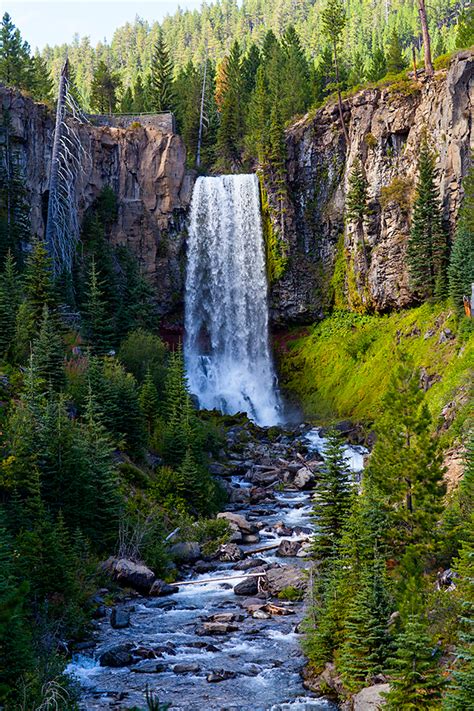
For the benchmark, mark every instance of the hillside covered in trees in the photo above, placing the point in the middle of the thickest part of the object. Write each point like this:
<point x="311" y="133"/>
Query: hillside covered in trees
<point x="111" y="477"/>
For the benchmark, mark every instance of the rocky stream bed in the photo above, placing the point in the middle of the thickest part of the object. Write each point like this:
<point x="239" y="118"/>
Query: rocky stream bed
<point x="230" y="642"/>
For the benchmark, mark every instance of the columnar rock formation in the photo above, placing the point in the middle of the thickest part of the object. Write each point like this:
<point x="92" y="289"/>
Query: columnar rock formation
<point x="144" y="166"/>
<point x="384" y="126"/>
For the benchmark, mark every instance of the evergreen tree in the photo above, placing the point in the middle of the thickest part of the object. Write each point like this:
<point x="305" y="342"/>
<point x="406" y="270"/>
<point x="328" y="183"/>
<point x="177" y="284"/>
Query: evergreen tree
<point x="178" y="413"/>
<point x="138" y="105"/>
<point x="465" y="28"/>
<point x="48" y="352"/>
<point x="405" y="465"/>
<point x="396" y="61"/>
<point x="461" y="263"/>
<point x="416" y="681"/>
<point x="14" y="55"/>
<point x="97" y="325"/>
<point x="162" y="76"/>
<point x="149" y="401"/>
<point x="126" y="102"/>
<point x="231" y="129"/>
<point x="39" y="80"/>
<point x="377" y="65"/>
<point x="39" y="286"/>
<point x="357" y="203"/>
<point x="250" y="65"/>
<point x="366" y="642"/>
<point x="332" y="502"/>
<point x="104" y="90"/>
<point x="9" y="304"/>
<point x="294" y="78"/>
<point x="427" y="244"/>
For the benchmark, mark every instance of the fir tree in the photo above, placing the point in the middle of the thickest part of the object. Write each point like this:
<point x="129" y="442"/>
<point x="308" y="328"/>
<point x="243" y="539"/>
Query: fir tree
<point x="138" y="105"/>
<point x="396" y="61"/>
<point x="332" y="501"/>
<point x="178" y="412"/>
<point x="97" y="325"/>
<point x="357" y="203"/>
<point x="427" y="244"/>
<point x="162" y="76"/>
<point x="465" y="28"/>
<point x="39" y="287"/>
<point x="250" y="65"/>
<point x="14" y="55"/>
<point x="406" y="466"/>
<point x="39" y="80"/>
<point x="48" y="352"/>
<point x="104" y="89"/>
<point x="295" y="77"/>
<point x="416" y="681"/>
<point x="377" y="65"/>
<point x="231" y="129"/>
<point x="461" y="263"/>
<point x="9" y="304"/>
<point x="149" y="401"/>
<point x="126" y="102"/>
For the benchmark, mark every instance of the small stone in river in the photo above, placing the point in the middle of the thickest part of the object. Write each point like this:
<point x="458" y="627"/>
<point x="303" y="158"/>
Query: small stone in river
<point x="148" y="666"/>
<point x="186" y="668"/>
<point x="160" y="589"/>
<point x="216" y="628"/>
<point x="248" y="586"/>
<point x="119" y="618"/>
<point x="117" y="656"/>
<point x="260" y="615"/>
<point x="220" y="675"/>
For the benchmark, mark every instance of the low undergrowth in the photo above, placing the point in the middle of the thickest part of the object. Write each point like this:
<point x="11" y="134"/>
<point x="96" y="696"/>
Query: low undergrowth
<point x="341" y="368"/>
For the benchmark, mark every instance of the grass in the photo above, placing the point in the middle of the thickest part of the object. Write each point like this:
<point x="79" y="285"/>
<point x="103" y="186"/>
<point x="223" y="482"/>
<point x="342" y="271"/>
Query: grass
<point x="341" y="368"/>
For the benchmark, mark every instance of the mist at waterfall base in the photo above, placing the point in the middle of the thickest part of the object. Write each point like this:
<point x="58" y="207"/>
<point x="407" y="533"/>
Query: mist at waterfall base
<point x="227" y="353"/>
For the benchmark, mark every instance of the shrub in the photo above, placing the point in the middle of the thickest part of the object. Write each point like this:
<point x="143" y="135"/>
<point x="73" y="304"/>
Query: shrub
<point x="370" y="140"/>
<point x="291" y="594"/>
<point x="142" y="351"/>
<point x="399" y="191"/>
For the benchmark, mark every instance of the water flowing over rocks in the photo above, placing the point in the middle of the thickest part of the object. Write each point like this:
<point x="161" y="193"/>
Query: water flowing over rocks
<point x="227" y="353"/>
<point x="233" y="640"/>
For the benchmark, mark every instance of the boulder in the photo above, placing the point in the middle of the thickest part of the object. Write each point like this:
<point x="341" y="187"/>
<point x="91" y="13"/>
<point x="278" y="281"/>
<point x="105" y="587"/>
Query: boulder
<point x="304" y="479"/>
<point x="288" y="577"/>
<point x="216" y="628"/>
<point x="288" y="548"/>
<point x="250" y="538"/>
<point x="148" y="666"/>
<point x="189" y="668"/>
<point x="186" y="552"/>
<point x="249" y="563"/>
<point x="130" y="574"/>
<point x="237" y="521"/>
<point x="370" y="698"/>
<point x="220" y="675"/>
<point x="239" y="495"/>
<point x="119" y="618"/>
<point x="229" y="553"/>
<point x="117" y="656"/>
<point x="248" y="586"/>
<point x="160" y="589"/>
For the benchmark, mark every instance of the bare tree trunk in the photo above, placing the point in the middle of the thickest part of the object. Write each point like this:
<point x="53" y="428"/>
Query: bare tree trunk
<point x="54" y="175"/>
<point x="415" y="71"/>
<point x="426" y="38"/>
<point x="339" y="98"/>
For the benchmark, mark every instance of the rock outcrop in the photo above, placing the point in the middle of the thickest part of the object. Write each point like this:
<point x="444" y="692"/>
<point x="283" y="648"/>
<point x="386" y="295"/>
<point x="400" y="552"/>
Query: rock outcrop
<point x="384" y="126"/>
<point x="145" y="166"/>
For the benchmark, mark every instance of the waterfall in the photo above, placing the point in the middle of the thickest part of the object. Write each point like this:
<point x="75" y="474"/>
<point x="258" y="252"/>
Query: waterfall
<point x="227" y="353"/>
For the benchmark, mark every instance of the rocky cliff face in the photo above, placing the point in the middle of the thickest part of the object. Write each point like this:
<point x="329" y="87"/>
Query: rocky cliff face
<point x="144" y="166"/>
<point x="384" y="125"/>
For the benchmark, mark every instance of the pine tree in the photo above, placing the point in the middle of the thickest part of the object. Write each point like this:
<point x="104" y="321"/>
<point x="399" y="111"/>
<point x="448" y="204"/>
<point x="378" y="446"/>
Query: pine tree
<point x="39" y="287"/>
<point x="39" y="80"/>
<point x="357" y="203"/>
<point x="405" y="466"/>
<point x="9" y="304"/>
<point x="396" y="61"/>
<point x="178" y="412"/>
<point x="461" y="263"/>
<point x="14" y="55"/>
<point x="149" y="401"/>
<point x="48" y="352"/>
<point x="427" y="244"/>
<point x="104" y="90"/>
<point x="126" y="102"/>
<point x="231" y="129"/>
<point x="366" y="642"/>
<point x="334" y="20"/>
<point x="295" y="77"/>
<point x="377" y="65"/>
<point x="138" y="106"/>
<point x="97" y="325"/>
<point x="465" y="28"/>
<point x="416" y="681"/>
<point x="250" y="65"/>
<point x="162" y="76"/>
<point x="332" y="501"/>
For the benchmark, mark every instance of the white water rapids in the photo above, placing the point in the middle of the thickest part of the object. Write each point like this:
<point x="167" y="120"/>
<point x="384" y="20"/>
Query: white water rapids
<point x="227" y="353"/>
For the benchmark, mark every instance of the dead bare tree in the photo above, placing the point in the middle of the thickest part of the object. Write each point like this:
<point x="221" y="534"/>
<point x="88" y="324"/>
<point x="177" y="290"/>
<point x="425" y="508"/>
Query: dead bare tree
<point x="429" y="70"/>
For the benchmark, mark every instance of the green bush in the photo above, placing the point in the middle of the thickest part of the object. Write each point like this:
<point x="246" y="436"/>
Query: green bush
<point x="291" y="594"/>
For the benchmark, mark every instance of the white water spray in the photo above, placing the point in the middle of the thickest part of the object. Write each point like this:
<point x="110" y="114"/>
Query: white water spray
<point x="228" y="360"/>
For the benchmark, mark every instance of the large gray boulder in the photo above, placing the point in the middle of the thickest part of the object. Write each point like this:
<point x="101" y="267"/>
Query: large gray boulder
<point x="238" y="522"/>
<point x="370" y="698"/>
<point x="130" y="574"/>
<point x="119" y="655"/>
<point x="186" y="552"/>
<point x="288" y="577"/>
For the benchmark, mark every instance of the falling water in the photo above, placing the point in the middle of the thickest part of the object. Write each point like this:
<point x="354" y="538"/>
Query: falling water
<point x="227" y="353"/>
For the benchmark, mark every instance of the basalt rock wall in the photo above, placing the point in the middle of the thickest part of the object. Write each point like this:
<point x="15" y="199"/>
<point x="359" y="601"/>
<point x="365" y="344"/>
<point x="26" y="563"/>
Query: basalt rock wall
<point x="145" y="166"/>
<point x="324" y="255"/>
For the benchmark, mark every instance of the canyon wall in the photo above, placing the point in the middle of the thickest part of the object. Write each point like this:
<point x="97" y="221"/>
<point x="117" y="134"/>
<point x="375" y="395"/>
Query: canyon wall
<point x="144" y="165"/>
<point x="324" y="256"/>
